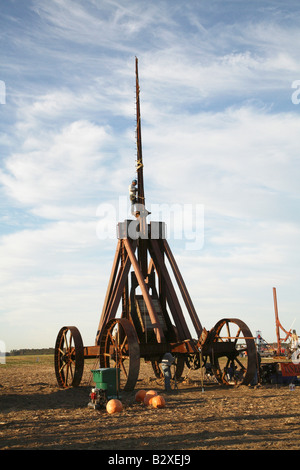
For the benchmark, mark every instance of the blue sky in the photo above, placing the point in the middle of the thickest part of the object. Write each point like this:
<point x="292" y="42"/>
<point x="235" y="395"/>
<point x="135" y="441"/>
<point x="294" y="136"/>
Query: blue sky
<point x="220" y="130"/>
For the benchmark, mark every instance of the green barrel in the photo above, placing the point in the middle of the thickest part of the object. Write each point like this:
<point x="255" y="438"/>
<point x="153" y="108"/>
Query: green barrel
<point x="107" y="379"/>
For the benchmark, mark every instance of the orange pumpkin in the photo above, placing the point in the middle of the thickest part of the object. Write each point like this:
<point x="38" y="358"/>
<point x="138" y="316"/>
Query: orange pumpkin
<point x="158" y="401"/>
<point x="148" y="397"/>
<point x="114" y="406"/>
<point x="140" y="395"/>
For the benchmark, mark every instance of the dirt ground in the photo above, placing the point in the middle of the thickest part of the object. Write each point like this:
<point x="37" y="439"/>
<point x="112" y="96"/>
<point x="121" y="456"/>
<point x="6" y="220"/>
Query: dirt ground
<point x="36" y="415"/>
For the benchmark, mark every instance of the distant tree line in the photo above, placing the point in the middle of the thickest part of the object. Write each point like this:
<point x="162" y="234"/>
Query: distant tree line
<point x="30" y="352"/>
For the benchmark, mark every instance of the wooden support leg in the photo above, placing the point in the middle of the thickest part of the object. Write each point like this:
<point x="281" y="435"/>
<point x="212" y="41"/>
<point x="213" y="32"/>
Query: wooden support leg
<point x="184" y="292"/>
<point x="110" y="287"/>
<point x="148" y="301"/>
<point x="172" y="299"/>
<point x="114" y="291"/>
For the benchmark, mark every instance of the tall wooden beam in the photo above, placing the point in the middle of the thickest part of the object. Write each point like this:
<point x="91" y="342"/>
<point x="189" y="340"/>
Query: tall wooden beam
<point x="184" y="292"/>
<point x="148" y="301"/>
<point x="172" y="299"/>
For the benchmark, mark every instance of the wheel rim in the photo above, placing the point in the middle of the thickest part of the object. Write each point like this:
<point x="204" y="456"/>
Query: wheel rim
<point x="232" y="352"/>
<point x="69" y="357"/>
<point x="119" y="348"/>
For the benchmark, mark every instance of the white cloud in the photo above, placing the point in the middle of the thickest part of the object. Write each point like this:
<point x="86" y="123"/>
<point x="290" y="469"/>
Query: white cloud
<point x="57" y="166"/>
<point x="111" y="24"/>
<point x="218" y="128"/>
<point x="51" y="276"/>
<point x="239" y="160"/>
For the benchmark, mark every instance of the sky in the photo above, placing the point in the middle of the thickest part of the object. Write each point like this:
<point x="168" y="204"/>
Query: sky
<point x="220" y="92"/>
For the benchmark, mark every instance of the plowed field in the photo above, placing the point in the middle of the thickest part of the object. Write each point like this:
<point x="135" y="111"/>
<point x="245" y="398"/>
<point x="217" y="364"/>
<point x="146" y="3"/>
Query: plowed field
<point x="36" y="414"/>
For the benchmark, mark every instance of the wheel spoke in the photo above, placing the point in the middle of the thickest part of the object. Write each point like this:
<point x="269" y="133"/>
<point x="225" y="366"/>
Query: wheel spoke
<point x="124" y="369"/>
<point x="240" y="363"/>
<point x="124" y="343"/>
<point x="228" y="330"/>
<point x="237" y="336"/>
